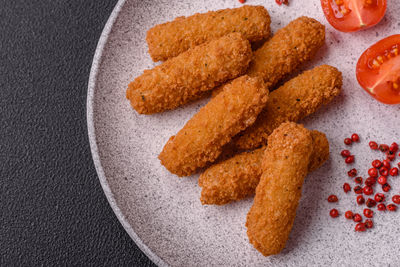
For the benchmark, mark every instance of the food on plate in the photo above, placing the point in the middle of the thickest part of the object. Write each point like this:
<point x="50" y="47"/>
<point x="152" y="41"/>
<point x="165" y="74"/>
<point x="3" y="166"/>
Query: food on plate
<point x="291" y="46"/>
<point x="294" y="100"/>
<point x="368" y="189"/>
<point x="237" y="178"/>
<point x="183" y="78"/>
<point x="201" y="140"/>
<point x="280" y="2"/>
<point x="353" y="15"/>
<point x="285" y="165"/>
<point x="173" y="38"/>
<point x="378" y="70"/>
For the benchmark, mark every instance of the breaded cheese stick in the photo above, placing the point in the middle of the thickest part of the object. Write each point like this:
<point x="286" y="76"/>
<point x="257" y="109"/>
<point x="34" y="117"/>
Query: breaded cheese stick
<point x="237" y="178"/>
<point x="201" y="140"/>
<point x="185" y="77"/>
<point x="296" y="99"/>
<point x="173" y="38"/>
<point x="285" y="165"/>
<point x="291" y="46"/>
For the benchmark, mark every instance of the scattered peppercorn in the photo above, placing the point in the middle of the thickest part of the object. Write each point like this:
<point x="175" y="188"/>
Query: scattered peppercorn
<point x="381" y="207"/>
<point x="379" y="197"/>
<point x="358" y="180"/>
<point x="394" y="147"/>
<point x="349" y="159"/>
<point x="332" y="198"/>
<point x="373" y="145"/>
<point x="382" y="180"/>
<point x="352" y="173"/>
<point x="360" y="227"/>
<point x="368" y="213"/>
<point x="394" y="171"/>
<point x="357" y="217"/>
<point x="376" y="163"/>
<point x="391" y="207"/>
<point x="280" y="2"/>
<point x="379" y="168"/>
<point x="355" y="137"/>
<point x="370" y="203"/>
<point x="346" y="187"/>
<point x="360" y="200"/>
<point x="372" y="172"/>
<point x="349" y="215"/>
<point x="348" y="141"/>
<point x="386" y="163"/>
<point x="334" y="213"/>
<point x="390" y="155"/>
<point x="358" y="190"/>
<point x="369" y="224"/>
<point x="396" y="199"/>
<point x="345" y="153"/>
<point x="384" y="171"/>
<point x="383" y="147"/>
<point x="368" y="190"/>
<point x="370" y="181"/>
<point x="386" y="187"/>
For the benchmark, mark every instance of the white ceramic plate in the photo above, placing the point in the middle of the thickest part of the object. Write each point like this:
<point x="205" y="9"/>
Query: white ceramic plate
<point x="163" y="214"/>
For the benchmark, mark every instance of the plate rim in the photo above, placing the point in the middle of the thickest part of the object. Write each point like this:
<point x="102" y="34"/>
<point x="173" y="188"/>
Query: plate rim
<point x="94" y="70"/>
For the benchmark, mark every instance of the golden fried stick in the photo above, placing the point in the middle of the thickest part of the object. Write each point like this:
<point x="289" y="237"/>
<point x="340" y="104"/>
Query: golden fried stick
<point x="293" y="101"/>
<point x="237" y="178"/>
<point x="185" y="77"/>
<point x="173" y="38"/>
<point x="291" y="46"/>
<point x="201" y="140"/>
<point x="285" y="165"/>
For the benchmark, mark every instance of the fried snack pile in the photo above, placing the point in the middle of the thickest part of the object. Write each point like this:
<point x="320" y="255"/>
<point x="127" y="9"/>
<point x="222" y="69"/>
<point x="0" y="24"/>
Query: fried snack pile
<point x="185" y="77"/>
<point x="201" y="140"/>
<point x="173" y="38"/>
<point x="237" y="178"/>
<point x="284" y="167"/>
<point x="291" y="46"/>
<point x="212" y="51"/>
<point x="293" y="101"/>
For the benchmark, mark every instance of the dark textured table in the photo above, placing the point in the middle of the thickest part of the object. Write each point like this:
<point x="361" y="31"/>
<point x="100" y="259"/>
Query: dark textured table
<point x="53" y="210"/>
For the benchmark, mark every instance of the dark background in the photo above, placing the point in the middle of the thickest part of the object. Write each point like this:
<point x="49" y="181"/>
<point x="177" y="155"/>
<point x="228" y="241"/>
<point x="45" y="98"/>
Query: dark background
<point x="53" y="210"/>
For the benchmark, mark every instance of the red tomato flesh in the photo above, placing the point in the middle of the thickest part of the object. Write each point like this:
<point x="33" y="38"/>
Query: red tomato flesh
<point x="378" y="70"/>
<point x="353" y="15"/>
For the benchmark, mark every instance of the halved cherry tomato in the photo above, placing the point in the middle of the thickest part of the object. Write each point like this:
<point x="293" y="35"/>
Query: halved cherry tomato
<point x="378" y="70"/>
<point x="353" y="15"/>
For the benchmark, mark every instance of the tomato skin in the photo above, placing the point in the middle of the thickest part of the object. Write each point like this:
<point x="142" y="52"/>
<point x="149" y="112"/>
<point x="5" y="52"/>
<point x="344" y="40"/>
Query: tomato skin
<point x="351" y="22"/>
<point x="375" y="81"/>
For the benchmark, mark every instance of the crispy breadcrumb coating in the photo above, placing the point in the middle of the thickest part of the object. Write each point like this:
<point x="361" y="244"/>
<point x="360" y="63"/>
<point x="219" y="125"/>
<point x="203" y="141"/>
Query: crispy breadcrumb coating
<point x="291" y="46"/>
<point x="185" y="77"/>
<point x="285" y="165"/>
<point x="237" y="178"/>
<point x="201" y="140"/>
<point x="173" y="38"/>
<point x="296" y="99"/>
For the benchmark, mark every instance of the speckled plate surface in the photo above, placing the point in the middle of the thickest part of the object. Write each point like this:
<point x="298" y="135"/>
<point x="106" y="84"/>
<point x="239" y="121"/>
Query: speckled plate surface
<point x="163" y="214"/>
